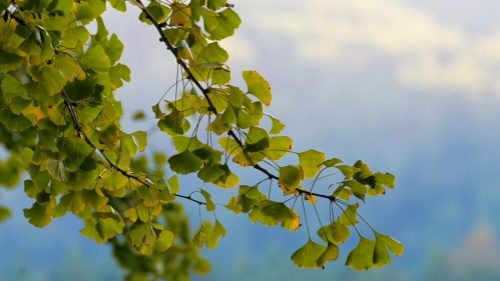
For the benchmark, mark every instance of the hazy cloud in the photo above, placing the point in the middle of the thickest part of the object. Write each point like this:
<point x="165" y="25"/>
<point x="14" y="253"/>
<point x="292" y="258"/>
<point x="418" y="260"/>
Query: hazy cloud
<point x="425" y="52"/>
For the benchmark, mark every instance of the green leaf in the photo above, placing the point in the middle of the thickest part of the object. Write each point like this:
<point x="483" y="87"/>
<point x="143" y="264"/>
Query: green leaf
<point x="361" y="257"/>
<point x="308" y="255"/>
<point x="114" y="181"/>
<point x="258" y="86"/>
<point x="164" y="241"/>
<point x="210" y="206"/>
<point x="183" y="143"/>
<point x="278" y="147"/>
<point x="10" y="86"/>
<point x="38" y="215"/>
<point x="181" y="14"/>
<point x="158" y="11"/>
<point x="117" y="74"/>
<point x="96" y="59"/>
<point x="15" y="122"/>
<point x="228" y="179"/>
<point x="57" y="170"/>
<point x="9" y="61"/>
<point x="88" y="10"/>
<point x="311" y="161"/>
<point x="359" y="190"/>
<point x="139" y="233"/>
<point x="279" y="212"/>
<point x="290" y="178"/>
<point x="277" y="126"/>
<point x="4" y="213"/>
<point x="35" y="5"/>
<point x="92" y="199"/>
<point x="212" y="238"/>
<point x="382" y="243"/>
<point x="185" y="163"/>
<point x="73" y="150"/>
<point x="119" y="5"/>
<point x="336" y="233"/>
<point x="332" y="162"/>
<point x="174" y="123"/>
<point x="173" y="184"/>
<point x="331" y="253"/>
<point x="349" y="215"/>
<point x="227" y="22"/>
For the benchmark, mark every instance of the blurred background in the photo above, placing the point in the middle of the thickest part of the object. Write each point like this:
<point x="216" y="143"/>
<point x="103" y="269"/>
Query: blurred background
<point x="411" y="87"/>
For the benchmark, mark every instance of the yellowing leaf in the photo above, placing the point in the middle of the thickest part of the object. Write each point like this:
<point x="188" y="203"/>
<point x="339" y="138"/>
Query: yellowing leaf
<point x="181" y="14"/>
<point x="164" y="241"/>
<point x="258" y="86"/>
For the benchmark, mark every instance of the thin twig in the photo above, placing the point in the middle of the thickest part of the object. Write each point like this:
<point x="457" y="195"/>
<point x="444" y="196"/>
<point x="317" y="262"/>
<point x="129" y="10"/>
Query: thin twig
<point x="70" y="105"/>
<point x="205" y="91"/>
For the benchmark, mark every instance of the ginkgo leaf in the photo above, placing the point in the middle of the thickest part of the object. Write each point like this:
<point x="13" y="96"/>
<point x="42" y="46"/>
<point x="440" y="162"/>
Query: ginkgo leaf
<point x="290" y="177"/>
<point x="349" y="215"/>
<point x="384" y="242"/>
<point x="332" y="162"/>
<point x="38" y="215"/>
<point x="331" y="253"/>
<point x="310" y="162"/>
<point x="359" y="190"/>
<point x="210" y="206"/>
<point x="278" y="147"/>
<point x="213" y="236"/>
<point x="336" y="233"/>
<point x="277" y="126"/>
<point x="57" y="170"/>
<point x="361" y="257"/>
<point x="258" y="86"/>
<point x="271" y="213"/>
<point x="308" y="255"/>
<point x="92" y="199"/>
<point x="185" y="163"/>
<point x="181" y="14"/>
<point x="164" y="241"/>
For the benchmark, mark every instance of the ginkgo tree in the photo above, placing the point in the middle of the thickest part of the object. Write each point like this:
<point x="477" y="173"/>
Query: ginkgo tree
<point x="60" y="124"/>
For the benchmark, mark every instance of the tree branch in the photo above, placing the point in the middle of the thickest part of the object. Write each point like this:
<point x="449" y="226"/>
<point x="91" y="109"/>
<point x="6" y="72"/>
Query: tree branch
<point x="70" y="105"/>
<point x="205" y="91"/>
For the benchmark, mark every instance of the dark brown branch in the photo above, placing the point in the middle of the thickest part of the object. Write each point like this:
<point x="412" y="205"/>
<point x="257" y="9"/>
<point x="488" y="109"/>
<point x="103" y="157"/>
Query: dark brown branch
<point x="231" y="133"/>
<point x="78" y="127"/>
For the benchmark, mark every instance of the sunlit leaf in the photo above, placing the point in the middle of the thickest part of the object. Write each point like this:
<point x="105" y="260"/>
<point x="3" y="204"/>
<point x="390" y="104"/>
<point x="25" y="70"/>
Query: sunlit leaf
<point x="164" y="241"/>
<point x="349" y="215"/>
<point x="181" y="14"/>
<point x="361" y="257"/>
<point x="310" y="162"/>
<point x="307" y="256"/>
<point x="331" y="253"/>
<point x="210" y="206"/>
<point x="258" y="86"/>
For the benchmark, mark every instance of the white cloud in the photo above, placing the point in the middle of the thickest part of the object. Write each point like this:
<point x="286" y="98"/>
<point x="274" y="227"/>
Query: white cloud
<point x="426" y="52"/>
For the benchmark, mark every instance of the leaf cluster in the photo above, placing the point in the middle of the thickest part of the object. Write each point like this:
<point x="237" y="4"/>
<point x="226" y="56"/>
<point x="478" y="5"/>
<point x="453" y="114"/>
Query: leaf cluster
<point x="60" y="122"/>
